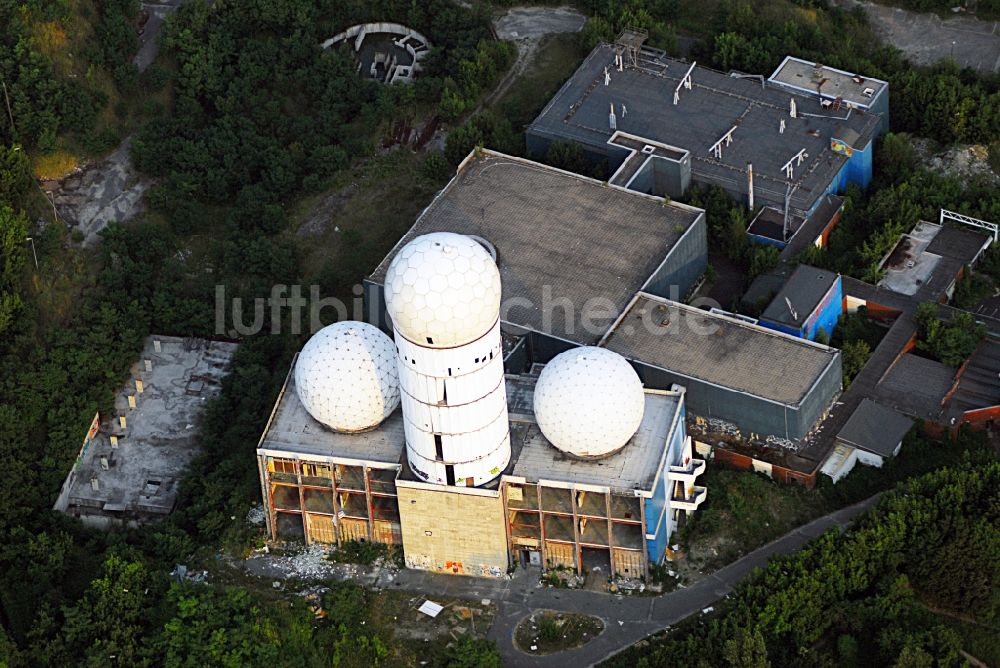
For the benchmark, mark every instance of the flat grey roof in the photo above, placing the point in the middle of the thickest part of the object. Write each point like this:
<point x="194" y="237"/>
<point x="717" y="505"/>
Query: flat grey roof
<point x="836" y="83"/>
<point x="632" y="468"/>
<point x="763" y="288"/>
<point x="916" y="385"/>
<point x="556" y="234"/>
<point x="978" y="387"/>
<point x="875" y="428"/>
<point x="719" y="350"/>
<point x="962" y="244"/>
<point x="293" y="431"/>
<point x="925" y="262"/>
<point x="161" y="434"/>
<point x="715" y="104"/>
<point x="805" y="289"/>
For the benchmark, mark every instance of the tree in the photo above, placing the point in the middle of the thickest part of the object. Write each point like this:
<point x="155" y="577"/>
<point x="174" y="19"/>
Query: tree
<point x="472" y="653"/>
<point x="13" y="233"/>
<point x="566" y="155"/>
<point x="15" y="175"/>
<point x="108" y="625"/>
<point x="762" y="258"/>
<point x="736" y="238"/>
<point x="746" y="650"/>
<point x="854" y="356"/>
<point x="949" y="342"/>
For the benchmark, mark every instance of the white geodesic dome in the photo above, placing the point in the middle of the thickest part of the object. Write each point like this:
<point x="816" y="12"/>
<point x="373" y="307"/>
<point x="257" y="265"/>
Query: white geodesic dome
<point x="443" y="290"/>
<point x="346" y="376"/>
<point x="589" y="402"/>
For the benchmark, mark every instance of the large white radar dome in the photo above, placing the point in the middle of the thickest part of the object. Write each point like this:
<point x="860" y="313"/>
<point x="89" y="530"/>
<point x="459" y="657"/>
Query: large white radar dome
<point x="443" y="290"/>
<point x="589" y="402"/>
<point x="346" y="376"/>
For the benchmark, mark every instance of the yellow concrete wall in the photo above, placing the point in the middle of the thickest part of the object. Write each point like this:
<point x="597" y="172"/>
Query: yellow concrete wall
<point x="467" y="532"/>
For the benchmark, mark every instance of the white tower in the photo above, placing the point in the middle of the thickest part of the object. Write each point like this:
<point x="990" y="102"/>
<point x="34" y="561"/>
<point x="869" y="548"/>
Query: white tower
<point x="442" y="292"/>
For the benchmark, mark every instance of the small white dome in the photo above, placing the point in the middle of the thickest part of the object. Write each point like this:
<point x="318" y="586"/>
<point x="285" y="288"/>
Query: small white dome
<point x="589" y="402"/>
<point x="443" y="290"/>
<point x="346" y="376"/>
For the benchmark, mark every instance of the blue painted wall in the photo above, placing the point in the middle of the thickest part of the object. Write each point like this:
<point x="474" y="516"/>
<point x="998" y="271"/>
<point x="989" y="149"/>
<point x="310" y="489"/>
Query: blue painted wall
<point x="857" y="169"/>
<point x="656" y="524"/>
<point x="657" y="508"/>
<point x="881" y="107"/>
<point x="765" y="241"/>
<point x="777" y="326"/>
<point x="824" y="316"/>
<point x="828" y="312"/>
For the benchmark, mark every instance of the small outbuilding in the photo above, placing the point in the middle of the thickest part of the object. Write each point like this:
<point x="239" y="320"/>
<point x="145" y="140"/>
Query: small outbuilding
<point x="873" y="434"/>
<point x="811" y="300"/>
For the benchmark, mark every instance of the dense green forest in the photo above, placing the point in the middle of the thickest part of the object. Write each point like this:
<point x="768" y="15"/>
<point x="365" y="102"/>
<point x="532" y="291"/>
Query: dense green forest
<point x="882" y="594"/>
<point x="259" y="115"/>
<point x="240" y="119"/>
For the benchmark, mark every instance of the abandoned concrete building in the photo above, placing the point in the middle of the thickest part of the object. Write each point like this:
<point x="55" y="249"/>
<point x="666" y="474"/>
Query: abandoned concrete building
<point x="615" y="263"/>
<point x="595" y="260"/>
<point x="131" y="461"/>
<point x="788" y="142"/>
<point x="469" y="469"/>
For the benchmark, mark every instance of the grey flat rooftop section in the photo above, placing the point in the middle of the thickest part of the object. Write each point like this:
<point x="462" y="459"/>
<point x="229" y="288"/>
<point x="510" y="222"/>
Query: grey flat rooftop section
<point x="959" y="243"/>
<point x="161" y="434"/>
<point x="719" y="350"/>
<point x="979" y="386"/>
<point x="634" y="467"/>
<point x="716" y="103"/>
<point x="805" y="289"/>
<point x="875" y="428"/>
<point x="770" y="222"/>
<point x="806" y="234"/>
<point x="926" y="261"/>
<point x="294" y="430"/>
<point x="909" y="265"/>
<point x="836" y="83"/>
<point x="557" y="233"/>
<point x="916" y="385"/>
<point x="763" y="288"/>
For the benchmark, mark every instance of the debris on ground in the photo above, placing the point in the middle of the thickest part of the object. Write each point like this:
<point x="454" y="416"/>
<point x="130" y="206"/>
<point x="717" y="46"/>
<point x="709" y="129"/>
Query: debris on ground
<point x="430" y="608"/>
<point x="314" y="601"/>
<point x="627" y="586"/>
<point x="182" y="573"/>
<point x="326" y="210"/>
<point x="255" y="516"/>
<point x="563" y="578"/>
<point x="961" y="161"/>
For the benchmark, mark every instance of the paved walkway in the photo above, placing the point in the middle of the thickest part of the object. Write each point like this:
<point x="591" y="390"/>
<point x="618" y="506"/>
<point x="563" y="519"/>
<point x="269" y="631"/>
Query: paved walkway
<point x="927" y="38"/>
<point x="627" y="619"/>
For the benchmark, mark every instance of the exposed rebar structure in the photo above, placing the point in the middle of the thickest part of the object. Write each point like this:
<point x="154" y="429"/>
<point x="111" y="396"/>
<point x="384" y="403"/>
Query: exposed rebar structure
<point x="629" y="43"/>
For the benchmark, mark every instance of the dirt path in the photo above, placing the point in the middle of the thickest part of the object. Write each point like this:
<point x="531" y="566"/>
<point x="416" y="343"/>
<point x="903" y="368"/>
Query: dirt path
<point x="111" y="189"/>
<point x="149" y="43"/>
<point x="526" y="26"/>
<point x="926" y="38"/>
